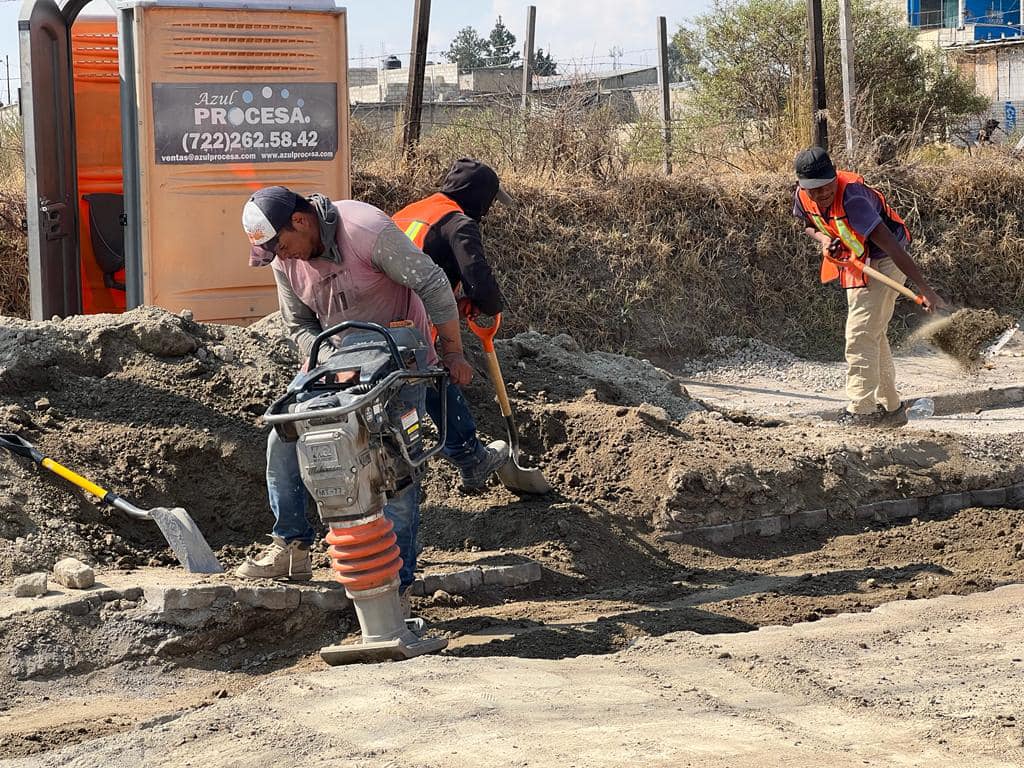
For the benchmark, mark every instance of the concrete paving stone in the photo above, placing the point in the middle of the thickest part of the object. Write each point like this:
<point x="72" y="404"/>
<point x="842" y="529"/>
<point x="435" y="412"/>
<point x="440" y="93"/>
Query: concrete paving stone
<point x="900" y="509"/>
<point x="512" y="575"/>
<point x="162" y="599"/>
<point x="808" y="518"/>
<point x="862" y="512"/>
<point x="1015" y="494"/>
<point x="990" y="497"/>
<point x="73" y="574"/>
<point x="462" y="582"/>
<point x="431" y="583"/>
<point x="416" y="588"/>
<point x="772" y="526"/>
<point x="325" y="599"/>
<point x="722" y="534"/>
<point x="131" y="593"/>
<point x="948" y="502"/>
<point x="80" y="607"/>
<point x="30" y="585"/>
<point x="275" y="598"/>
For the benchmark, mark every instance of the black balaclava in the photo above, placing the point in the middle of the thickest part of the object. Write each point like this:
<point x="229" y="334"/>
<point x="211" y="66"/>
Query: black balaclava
<point x="473" y="185"/>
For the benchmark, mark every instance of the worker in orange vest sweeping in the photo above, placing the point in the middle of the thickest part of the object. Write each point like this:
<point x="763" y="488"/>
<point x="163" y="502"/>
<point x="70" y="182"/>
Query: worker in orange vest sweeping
<point x="853" y="224"/>
<point x="446" y="226"/>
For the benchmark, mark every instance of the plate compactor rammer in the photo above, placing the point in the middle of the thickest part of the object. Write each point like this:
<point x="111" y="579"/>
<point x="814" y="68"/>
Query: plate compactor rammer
<point x="356" y="422"/>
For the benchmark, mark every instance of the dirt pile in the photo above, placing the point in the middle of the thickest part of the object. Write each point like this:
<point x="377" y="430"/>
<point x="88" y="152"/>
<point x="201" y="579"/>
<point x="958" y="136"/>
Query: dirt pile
<point x="163" y="409"/>
<point x="967" y="333"/>
<point x="148" y="404"/>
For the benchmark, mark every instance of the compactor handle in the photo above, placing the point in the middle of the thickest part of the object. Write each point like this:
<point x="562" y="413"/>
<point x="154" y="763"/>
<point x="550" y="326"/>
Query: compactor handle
<point x="314" y="352"/>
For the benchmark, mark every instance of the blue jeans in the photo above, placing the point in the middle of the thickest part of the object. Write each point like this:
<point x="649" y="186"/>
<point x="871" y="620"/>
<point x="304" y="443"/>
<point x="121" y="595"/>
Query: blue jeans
<point x="461" y="445"/>
<point x="288" y="501"/>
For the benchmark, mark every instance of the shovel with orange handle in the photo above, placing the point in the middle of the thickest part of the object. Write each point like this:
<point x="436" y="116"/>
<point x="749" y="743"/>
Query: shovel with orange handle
<point x="512" y="474"/>
<point x="852" y="262"/>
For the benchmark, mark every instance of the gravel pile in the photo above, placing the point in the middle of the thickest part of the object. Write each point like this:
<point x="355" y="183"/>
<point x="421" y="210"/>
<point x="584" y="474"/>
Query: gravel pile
<point x="735" y="360"/>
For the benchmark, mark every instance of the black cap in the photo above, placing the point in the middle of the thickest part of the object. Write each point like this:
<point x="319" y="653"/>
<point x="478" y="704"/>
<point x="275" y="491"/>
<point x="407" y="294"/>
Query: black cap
<point x="263" y="216"/>
<point x="814" y="168"/>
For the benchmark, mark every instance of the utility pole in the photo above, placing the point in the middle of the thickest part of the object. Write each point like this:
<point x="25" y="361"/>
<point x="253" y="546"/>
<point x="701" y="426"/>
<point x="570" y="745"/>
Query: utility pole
<point x="528" y="52"/>
<point x="7" y="63"/>
<point x="819" y="120"/>
<point x="417" y="69"/>
<point x="849" y="82"/>
<point x="666" y="105"/>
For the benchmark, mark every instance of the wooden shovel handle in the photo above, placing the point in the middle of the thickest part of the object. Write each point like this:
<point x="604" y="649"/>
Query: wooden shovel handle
<point x="881" y="277"/>
<point x="494" y="370"/>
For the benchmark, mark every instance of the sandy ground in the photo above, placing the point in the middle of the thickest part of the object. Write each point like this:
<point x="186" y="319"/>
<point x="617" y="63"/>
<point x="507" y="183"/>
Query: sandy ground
<point x="922" y="683"/>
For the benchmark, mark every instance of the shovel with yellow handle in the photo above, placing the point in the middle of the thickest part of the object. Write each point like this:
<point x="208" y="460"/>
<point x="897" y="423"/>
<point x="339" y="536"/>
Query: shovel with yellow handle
<point x="512" y="474"/>
<point x="180" y="530"/>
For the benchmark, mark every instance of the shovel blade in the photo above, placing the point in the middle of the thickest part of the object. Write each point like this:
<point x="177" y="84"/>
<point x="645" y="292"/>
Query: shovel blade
<point x="522" y="480"/>
<point x="186" y="540"/>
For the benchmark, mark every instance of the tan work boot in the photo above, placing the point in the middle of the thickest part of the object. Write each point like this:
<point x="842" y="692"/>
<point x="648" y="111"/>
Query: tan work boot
<point x="279" y="560"/>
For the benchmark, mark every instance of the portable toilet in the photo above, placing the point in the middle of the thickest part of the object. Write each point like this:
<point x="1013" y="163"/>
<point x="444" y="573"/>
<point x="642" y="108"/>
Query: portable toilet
<point x="147" y="128"/>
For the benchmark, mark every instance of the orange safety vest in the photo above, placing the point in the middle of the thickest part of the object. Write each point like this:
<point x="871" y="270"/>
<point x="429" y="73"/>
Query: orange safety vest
<point x="417" y="218"/>
<point x="834" y="224"/>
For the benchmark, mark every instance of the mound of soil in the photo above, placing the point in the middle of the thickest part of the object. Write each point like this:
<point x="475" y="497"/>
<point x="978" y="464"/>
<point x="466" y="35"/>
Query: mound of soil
<point x="165" y="410"/>
<point x="149" y="405"/>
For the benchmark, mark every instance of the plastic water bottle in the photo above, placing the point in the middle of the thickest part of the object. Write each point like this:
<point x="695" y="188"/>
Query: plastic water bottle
<point x="923" y="408"/>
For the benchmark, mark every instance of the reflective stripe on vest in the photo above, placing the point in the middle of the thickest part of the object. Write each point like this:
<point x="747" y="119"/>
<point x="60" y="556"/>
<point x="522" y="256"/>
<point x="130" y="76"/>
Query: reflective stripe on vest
<point x="417" y="218"/>
<point x="835" y="225"/>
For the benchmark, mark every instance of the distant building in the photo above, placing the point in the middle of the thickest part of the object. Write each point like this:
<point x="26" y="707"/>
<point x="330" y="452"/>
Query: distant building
<point x="996" y="67"/>
<point x="374" y="86"/>
<point x="612" y="80"/>
<point x="958" y="22"/>
<point x="491" y="80"/>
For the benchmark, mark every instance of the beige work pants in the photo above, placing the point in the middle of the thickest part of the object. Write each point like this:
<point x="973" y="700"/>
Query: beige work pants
<point x="870" y="373"/>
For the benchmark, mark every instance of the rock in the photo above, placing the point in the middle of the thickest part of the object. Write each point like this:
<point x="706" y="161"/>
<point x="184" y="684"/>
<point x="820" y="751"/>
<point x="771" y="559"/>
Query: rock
<point x="32" y="585"/>
<point x="442" y="597"/>
<point x="461" y="582"/>
<point x="162" y="337"/>
<point x="186" y="315"/>
<point x="19" y="415"/>
<point x="566" y="342"/>
<point x="512" y="575"/>
<point x="73" y="574"/>
<point x="224" y="353"/>
<point x="653" y="414"/>
<point x="42" y="404"/>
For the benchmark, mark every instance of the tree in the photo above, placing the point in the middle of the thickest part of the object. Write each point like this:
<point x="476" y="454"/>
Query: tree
<point x="544" y="64"/>
<point x="747" y="63"/>
<point x="502" y="44"/>
<point x="468" y="49"/>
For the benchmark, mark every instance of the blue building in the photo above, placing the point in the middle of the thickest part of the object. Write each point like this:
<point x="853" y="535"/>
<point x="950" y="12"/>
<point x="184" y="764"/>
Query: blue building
<point x="974" y="19"/>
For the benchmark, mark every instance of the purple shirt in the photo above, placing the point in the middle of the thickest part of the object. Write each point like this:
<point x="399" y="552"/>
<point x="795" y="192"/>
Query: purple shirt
<point x="864" y="212"/>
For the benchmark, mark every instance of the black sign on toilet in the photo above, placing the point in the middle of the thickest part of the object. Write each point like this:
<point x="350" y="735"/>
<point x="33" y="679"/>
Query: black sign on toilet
<point x="245" y="122"/>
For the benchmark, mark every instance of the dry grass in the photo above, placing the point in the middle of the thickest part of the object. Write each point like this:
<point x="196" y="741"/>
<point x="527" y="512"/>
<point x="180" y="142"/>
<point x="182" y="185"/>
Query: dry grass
<point x="625" y="259"/>
<point x="13" y="250"/>
<point x="659" y="266"/>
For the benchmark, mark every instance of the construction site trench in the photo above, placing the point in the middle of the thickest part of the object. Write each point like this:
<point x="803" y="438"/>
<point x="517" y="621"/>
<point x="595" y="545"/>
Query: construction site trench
<point x="671" y="512"/>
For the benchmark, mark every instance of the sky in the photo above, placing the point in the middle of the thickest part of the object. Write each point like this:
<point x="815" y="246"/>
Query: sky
<point x="578" y="34"/>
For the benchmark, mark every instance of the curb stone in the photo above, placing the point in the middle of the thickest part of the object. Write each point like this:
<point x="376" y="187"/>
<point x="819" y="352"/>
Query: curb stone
<point x="879" y="511"/>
